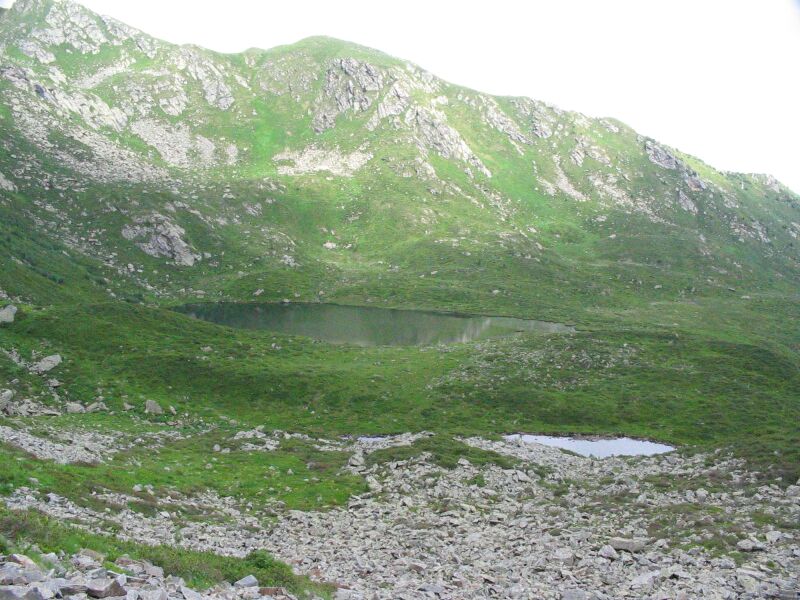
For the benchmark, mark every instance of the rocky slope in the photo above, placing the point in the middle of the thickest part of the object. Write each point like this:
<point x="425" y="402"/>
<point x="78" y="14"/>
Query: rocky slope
<point x="552" y="526"/>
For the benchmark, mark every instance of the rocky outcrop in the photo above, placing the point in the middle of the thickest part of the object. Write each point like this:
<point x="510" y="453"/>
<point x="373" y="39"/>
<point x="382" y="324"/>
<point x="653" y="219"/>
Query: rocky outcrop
<point x="11" y="405"/>
<point x="70" y="24"/>
<point x="34" y="50"/>
<point x="686" y="203"/>
<point x="433" y="133"/>
<point x="292" y="75"/>
<point x="209" y="74"/>
<point x="314" y="158"/>
<point x="162" y="238"/>
<point x="539" y="117"/>
<point x="42" y="113"/>
<point x="90" y="108"/>
<point x="122" y="32"/>
<point x="660" y="156"/>
<point x="393" y="104"/>
<point x="502" y="122"/>
<point x="350" y="85"/>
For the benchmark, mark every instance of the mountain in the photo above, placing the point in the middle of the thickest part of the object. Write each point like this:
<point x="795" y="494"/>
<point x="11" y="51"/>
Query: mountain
<point x="137" y="176"/>
<point x="140" y="170"/>
<point x="254" y="162"/>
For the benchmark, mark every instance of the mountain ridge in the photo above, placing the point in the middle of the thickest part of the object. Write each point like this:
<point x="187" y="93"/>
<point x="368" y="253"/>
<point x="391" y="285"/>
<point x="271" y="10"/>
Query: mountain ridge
<point x="348" y="48"/>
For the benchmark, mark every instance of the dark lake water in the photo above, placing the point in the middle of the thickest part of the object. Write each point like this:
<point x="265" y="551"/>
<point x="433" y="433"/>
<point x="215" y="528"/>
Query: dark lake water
<point x="365" y="326"/>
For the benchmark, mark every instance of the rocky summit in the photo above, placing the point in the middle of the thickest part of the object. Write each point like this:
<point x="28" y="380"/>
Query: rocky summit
<point x="150" y="454"/>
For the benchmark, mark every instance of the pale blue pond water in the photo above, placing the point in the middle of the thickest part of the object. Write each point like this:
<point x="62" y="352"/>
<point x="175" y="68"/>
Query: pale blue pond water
<point x="598" y="448"/>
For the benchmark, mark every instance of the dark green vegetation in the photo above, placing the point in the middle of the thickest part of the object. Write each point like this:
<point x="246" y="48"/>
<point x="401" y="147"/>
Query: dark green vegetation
<point x="681" y="280"/>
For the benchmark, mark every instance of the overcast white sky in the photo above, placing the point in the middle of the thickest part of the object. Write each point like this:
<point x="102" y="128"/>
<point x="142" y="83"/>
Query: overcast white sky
<point x="719" y="79"/>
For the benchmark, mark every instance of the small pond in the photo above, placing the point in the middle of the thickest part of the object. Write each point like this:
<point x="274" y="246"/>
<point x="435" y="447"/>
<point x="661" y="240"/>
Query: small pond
<point x="599" y="448"/>
<point x="365" y="326"/>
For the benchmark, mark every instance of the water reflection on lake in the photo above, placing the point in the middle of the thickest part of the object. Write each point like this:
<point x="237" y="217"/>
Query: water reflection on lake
<point x="366" y="326"/>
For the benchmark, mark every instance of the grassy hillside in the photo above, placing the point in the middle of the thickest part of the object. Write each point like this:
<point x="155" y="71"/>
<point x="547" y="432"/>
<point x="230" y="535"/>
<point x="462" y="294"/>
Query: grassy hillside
<point x="137" y="176"/>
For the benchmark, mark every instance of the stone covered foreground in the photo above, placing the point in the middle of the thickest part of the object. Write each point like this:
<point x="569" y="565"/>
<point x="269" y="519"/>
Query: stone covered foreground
<point x="83" y="577"/>
<point x="557" y="526"/>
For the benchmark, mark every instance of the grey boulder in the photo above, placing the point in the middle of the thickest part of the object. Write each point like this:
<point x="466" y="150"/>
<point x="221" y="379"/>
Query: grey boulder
<point x="105" y="588"/>
<point x="153" y="408"/>
<point x="7" y="313"/>
<point x="247" y="582"/>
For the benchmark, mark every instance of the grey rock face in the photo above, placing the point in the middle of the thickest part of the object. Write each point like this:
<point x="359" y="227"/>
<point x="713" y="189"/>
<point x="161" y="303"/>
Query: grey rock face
<point x="498" y="119"/>
<point x="210" y="76"/>
<point x="14" y="574"/>
<point x="645" y="580"/>
<point x="70" y="588"/>
<point x="87" y="106"/>
<point x="40" y="109"/>
<point x="694" y="182"/>
<point x="750" y="545"/>
<point x="434" y="133"/>
<point x="350" y="85"/>
<point x="7" y="313"/>
<point x="163" y="238"/>
<point x="660" y="156"/>
<point x="71" y="24"/>
<point x="357" y="460"/>
<point x="537" y="115"/>
<point x="686" y="203"/>
<point x="34" y="49"/>
<point x="575" y="595"/>
<point x="65" y="103"/>
<point x="394" y="103"/>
